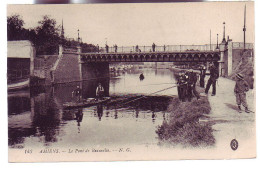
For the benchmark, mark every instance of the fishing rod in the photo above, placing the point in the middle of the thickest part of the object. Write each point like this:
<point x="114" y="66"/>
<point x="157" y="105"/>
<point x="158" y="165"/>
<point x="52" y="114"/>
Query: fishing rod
<point x="155" y="84"/>
<point x="148" y="95"/>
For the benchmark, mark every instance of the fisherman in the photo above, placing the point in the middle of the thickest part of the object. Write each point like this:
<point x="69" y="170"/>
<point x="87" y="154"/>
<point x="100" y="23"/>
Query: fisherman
<point x="182" y="86"/>
<point x="77" y="93"/>
<point x="191" y="85"/>
<point x="202" y="76"/>
<point x="212" y="79"/>
<point x="99" y="91"/>
<point x="141" y="77"/>
<point x="240" y="90"/>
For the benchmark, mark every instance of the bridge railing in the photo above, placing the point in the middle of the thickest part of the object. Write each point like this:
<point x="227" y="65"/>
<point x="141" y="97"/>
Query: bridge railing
<point x="164" y="48"/>
<point x="240" y="45"/>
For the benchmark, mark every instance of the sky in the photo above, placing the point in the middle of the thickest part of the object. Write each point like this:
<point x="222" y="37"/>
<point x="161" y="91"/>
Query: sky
<point x="145" y="23"/>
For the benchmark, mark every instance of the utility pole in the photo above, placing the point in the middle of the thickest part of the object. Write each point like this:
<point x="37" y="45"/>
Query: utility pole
<point x="78" y="35"/>
<point x="244" y="29"/>
<point x="210" y="40"/>
<point x="217" y="42"/>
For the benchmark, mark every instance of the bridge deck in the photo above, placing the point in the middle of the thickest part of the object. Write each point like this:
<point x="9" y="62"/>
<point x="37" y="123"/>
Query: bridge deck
<point x="182" y="56"/>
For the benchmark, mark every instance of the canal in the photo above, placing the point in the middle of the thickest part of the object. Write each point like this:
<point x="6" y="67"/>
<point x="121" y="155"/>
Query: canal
<point x="36" y="117"/>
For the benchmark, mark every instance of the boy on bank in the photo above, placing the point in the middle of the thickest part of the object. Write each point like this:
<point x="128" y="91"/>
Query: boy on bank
<point x="240" y="90"/>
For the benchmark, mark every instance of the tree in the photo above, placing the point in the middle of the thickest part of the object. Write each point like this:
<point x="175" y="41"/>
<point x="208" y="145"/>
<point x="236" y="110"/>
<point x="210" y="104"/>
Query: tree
<point x="47" y="36"/>
<point x="15" y="30"/>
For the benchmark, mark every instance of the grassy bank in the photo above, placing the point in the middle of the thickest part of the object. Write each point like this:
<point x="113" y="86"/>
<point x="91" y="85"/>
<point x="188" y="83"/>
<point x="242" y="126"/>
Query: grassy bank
<point x="183" y="126"/>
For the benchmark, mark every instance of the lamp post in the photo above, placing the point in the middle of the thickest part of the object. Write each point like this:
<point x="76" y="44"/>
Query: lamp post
<point x="244" y="29"/>
<point x="224" y="39"/>
<point x="78" y="35"/>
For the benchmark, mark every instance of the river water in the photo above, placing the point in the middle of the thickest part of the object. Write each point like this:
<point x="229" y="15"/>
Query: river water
<point x="36" y="118"/>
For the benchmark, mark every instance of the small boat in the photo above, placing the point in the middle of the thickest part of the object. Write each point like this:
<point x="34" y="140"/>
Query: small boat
<point x="85" y="103"/>
<point x="19" y="85"/>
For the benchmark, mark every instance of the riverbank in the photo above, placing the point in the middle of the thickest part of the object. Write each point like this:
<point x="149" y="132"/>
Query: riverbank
<point x="183" y="127"/>
<point x="212" y="121"/>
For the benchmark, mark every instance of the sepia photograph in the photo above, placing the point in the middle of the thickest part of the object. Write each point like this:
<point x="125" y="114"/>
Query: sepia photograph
<point x="131" y="81"/>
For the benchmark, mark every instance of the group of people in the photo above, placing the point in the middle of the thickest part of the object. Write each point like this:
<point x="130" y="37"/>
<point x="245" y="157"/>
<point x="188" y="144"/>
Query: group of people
<point x="186" y="82"/>
<point x="137" y="49"/>
<point x="77" y="93"/>
<point x="186" y="85"/>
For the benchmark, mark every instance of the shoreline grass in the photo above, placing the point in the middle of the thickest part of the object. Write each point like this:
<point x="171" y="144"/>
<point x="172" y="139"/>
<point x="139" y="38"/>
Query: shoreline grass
<point x="183" y="126"/>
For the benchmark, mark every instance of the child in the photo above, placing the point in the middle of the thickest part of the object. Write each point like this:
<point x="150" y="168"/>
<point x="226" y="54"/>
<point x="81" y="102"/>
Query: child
<point x="240" y="90"/>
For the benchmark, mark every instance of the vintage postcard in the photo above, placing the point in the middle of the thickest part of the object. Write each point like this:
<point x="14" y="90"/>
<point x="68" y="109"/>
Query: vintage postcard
<point x="117" y="82"/>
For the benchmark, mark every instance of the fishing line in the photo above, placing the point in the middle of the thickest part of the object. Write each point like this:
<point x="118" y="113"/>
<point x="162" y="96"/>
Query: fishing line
<point x="147" y="95"/>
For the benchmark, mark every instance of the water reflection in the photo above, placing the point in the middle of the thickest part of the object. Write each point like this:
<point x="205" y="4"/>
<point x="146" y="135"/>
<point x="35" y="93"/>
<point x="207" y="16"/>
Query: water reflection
<point x="37" y="116"/>
<point x="99" y="111"/>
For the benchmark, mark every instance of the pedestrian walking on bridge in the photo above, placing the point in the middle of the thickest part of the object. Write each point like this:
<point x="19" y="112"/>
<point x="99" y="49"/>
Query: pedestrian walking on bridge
<point x="107" y="48"/>
<point x="240" y="90"/>
<point x="115" y="48"/>
<point x="137" y="48"/>
<point x="153" y="46"/>
<point x="97" y="48"/>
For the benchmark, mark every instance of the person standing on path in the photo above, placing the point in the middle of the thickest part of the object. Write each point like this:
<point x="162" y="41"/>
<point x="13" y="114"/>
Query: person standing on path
<point x="212" y="79"/>
<point x="191" y="85"/>
<point x="202" y="76"/>
<point x="240" y="90"/>
<point x="182" y="86"/>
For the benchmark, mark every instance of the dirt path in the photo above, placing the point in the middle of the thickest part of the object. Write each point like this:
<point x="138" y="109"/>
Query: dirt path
<point x="229" y="123"/>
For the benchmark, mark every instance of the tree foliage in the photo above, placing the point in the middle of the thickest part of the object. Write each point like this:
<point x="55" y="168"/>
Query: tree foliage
<point x="15" y="28"/>
<point x="47" y="36"/>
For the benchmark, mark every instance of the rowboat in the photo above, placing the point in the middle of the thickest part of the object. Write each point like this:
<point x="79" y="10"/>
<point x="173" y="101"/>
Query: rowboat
<point x="19" y="85"/>
<point x="85" y="103"/>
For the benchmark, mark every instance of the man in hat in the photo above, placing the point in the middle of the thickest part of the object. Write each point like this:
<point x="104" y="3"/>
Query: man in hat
<point x="77" y="93"/>
<point x="202" y="76"/>
<point x="212" y="79"/>
<point x="191" y="85"/>
<point x="99" y="91"/>
<point x="182" y="86"/>
<point x="240" y="90"/>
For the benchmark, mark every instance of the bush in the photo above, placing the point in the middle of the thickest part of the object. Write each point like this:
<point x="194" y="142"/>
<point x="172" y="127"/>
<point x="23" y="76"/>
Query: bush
<point x="183" y="127"/>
